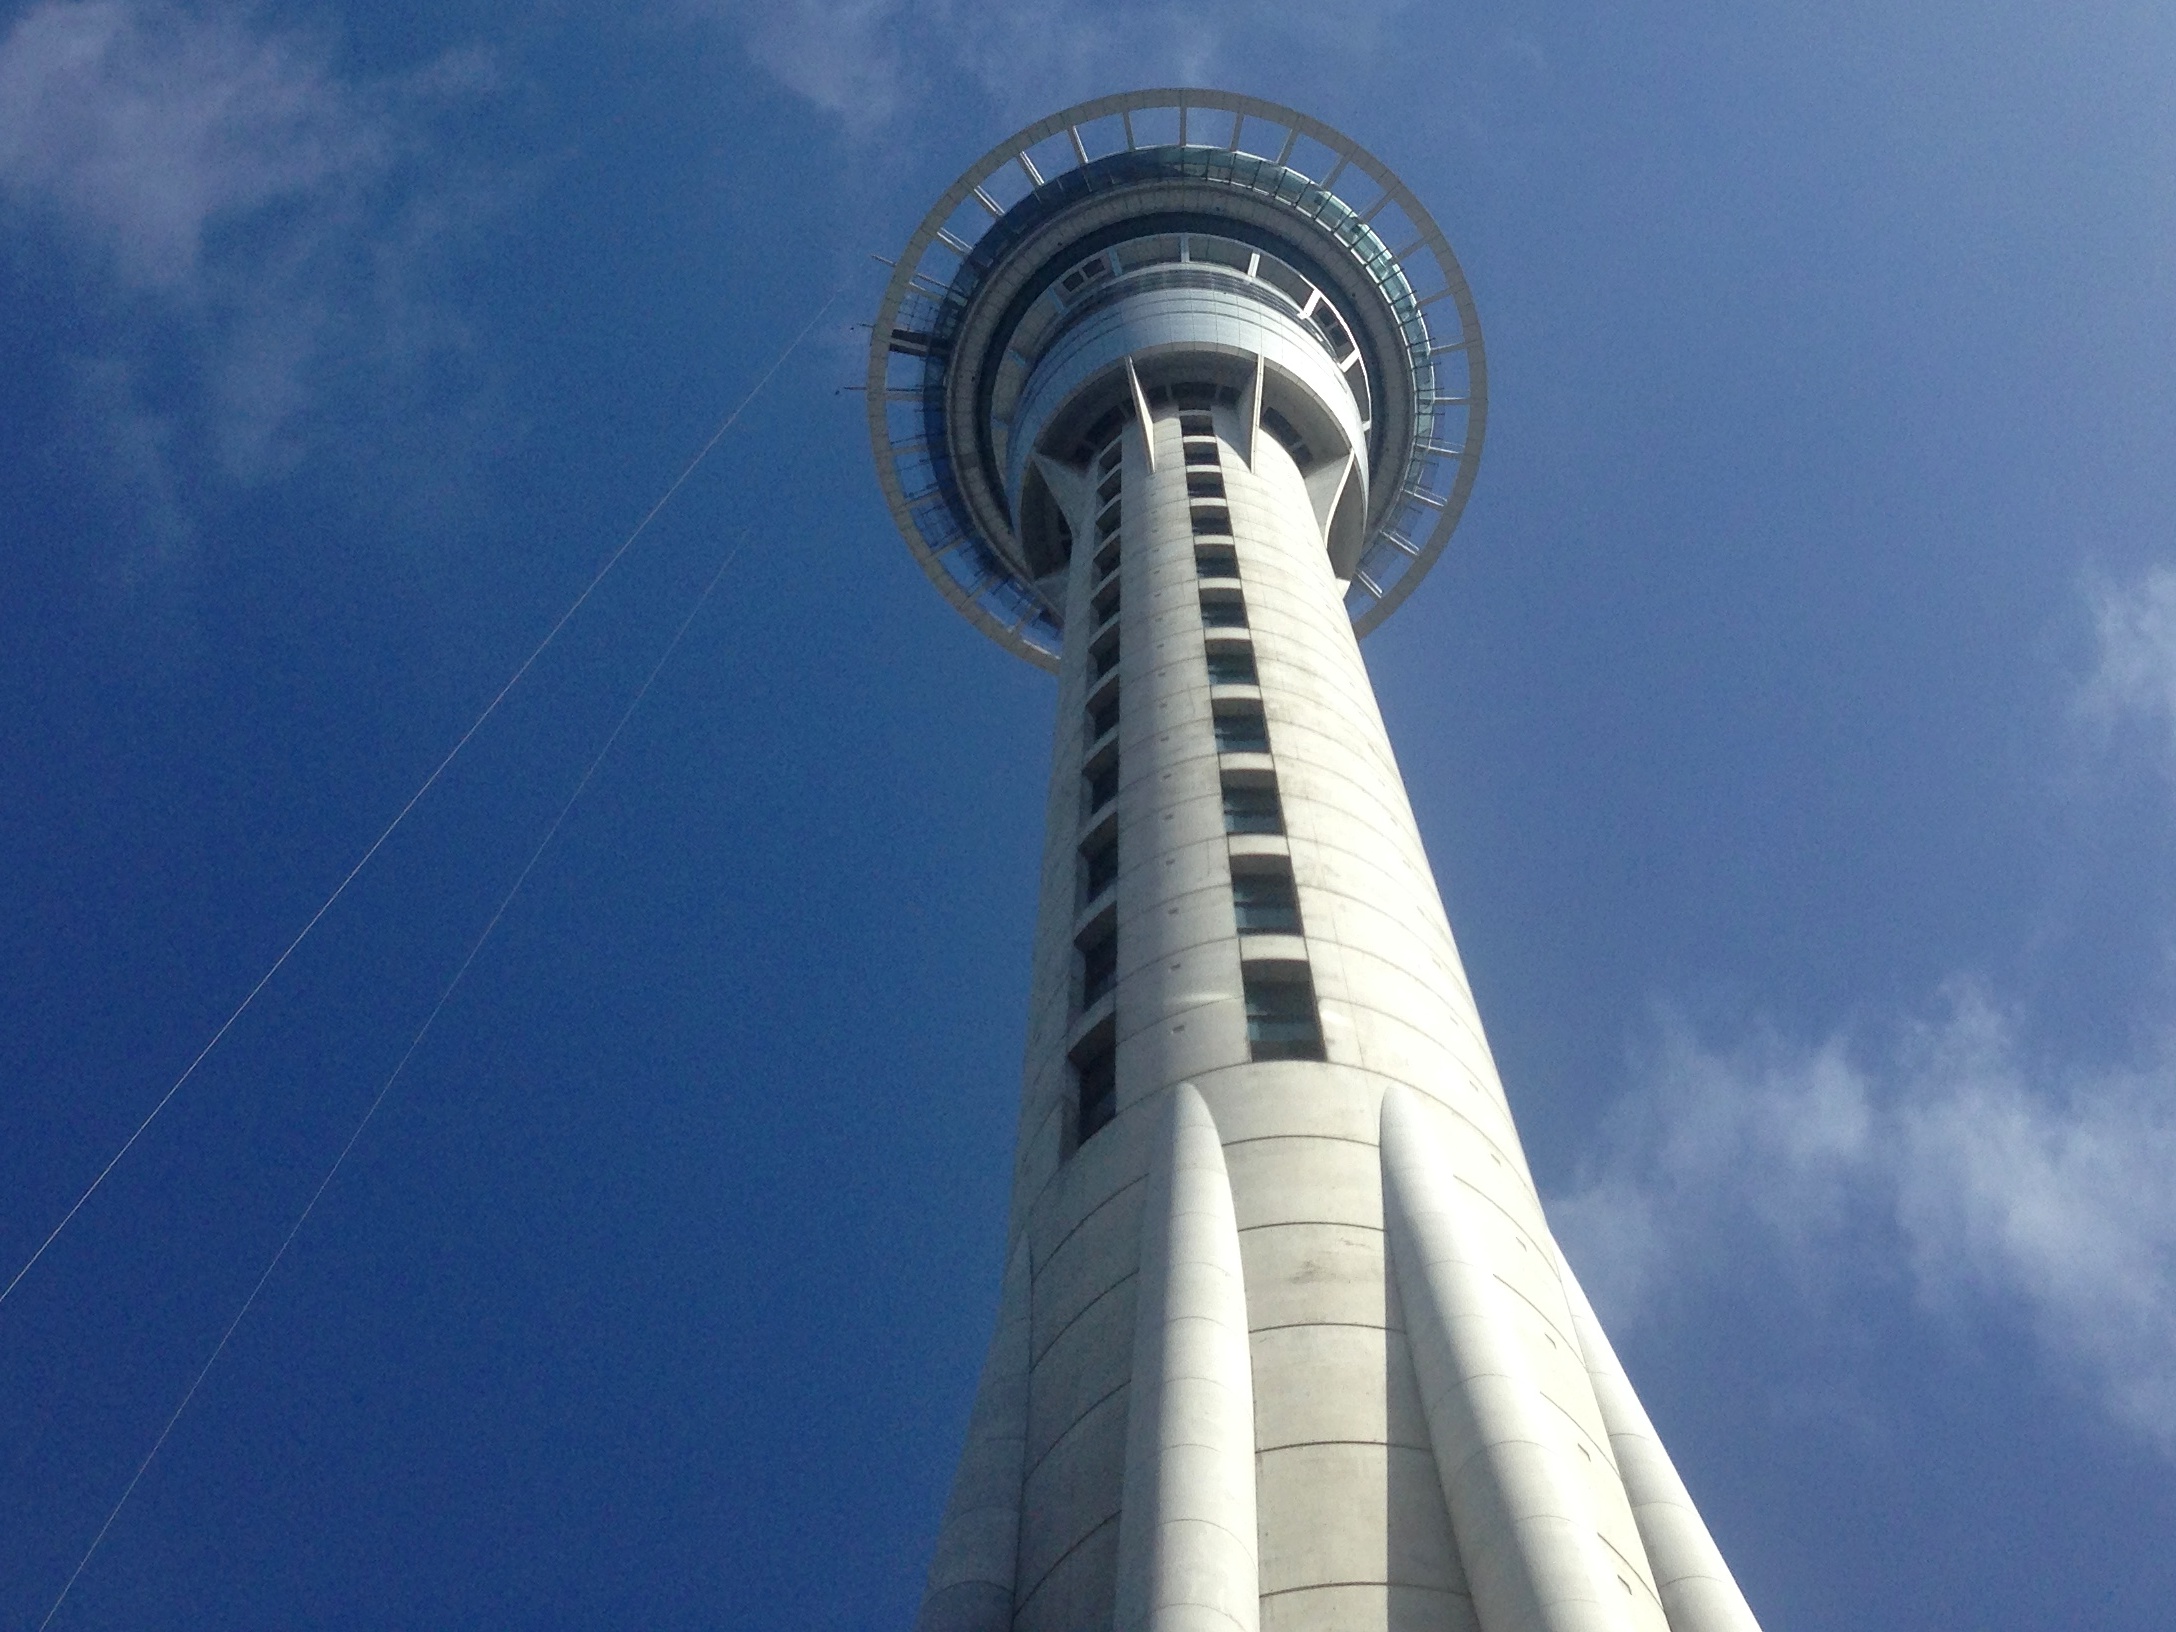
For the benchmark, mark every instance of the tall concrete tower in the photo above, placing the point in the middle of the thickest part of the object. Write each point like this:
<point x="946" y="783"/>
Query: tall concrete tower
<point x="1177" y="394"/>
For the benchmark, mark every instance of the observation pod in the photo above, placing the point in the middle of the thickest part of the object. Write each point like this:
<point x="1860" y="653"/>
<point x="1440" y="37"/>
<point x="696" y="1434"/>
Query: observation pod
<point x="1177" y="394"/>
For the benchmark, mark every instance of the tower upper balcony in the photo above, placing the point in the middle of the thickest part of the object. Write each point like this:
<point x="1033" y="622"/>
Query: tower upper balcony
<point x="1099" y="252"/>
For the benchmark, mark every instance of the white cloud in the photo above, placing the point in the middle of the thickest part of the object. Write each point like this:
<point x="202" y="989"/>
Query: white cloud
<point x="870" y="61"/>
<point x="246" y="210"/>
<point x="144" y="127"/>
<point x="1947" y="1155"/>
<point x="2134" y="676"/>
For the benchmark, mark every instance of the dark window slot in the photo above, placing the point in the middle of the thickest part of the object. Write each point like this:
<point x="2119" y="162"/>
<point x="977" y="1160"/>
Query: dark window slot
<point x="1106" y="606"/>
<point x="1242" y="731"/>
<point x="1232" y="666"/>
<point x="1098" y="970"/>
<point x="1204" y="484"/>
<point x="1107" y="521"/>
<point x="1216" y="560"/>
<point x="1103" y="719"/>
<point x="1102" y="870"/>
<point x="1109" y="490"/>
<point x="1265" y="903"/>
<point x="1107" y="562"/>
<point x="1252" y="807"/>
<point x="1212" y="521"/>
<point x="1201" y="453"/>
<point x="1103" y="659"/>
<point x="1223" y="612"/>
<point x="1281" y="1019"/>
<point x="1098" y="1085"/>
<point x="1103" y="785"/>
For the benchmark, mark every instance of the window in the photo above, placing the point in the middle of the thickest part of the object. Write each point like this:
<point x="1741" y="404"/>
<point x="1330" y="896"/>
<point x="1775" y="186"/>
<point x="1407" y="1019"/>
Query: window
<point x="1204" y="484"/>
<point x="1252" y="807"/>
<point x="1103" y="784"/>
<point x="1281" y="1022"/>
<point x="1107" y="521"/>
<point x="1200" y="453"/>
<point x="1197" y="424"/>
<point x="1232" y="666"/>
<point x="1223" y="612"/>
<point x="1097" y="1075"/>
<point x="1264" y="902"/>
<point x="1106" y="606"/>
<point x="1098" y="969"/>
<point x="1242" y="731"/>
<point x="1107" y="562"/>
<point x="1211" y="520"/>
<point x="1102" y="870"/>
<point x="1103" y="717"/>
<point x="1104" y="658"/>
<point x="1109" y="490"/>
<point x="1216" y="561"/>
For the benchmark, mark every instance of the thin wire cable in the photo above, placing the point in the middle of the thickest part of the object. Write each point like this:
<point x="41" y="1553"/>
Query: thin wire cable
<point x="416" y="798"/>
<point x="414" y="1043"/>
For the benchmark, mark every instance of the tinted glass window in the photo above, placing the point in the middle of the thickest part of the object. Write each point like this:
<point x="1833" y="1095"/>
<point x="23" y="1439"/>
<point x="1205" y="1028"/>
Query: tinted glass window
<point x="1245" y="732"/>
<point x="1265" y="904"/>
<point x="1223" y="612"/>
<point x="1281" y="1023"/>
<point x="1231" y="666"/>
<point x="1249" y="809"/>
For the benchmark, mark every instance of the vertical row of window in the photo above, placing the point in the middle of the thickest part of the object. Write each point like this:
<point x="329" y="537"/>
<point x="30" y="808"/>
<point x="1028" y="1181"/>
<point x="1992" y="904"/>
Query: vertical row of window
<point x="1283" y="1022"/>
<point x="1095" y="1058"/>
<point x="1282" y="1019"/>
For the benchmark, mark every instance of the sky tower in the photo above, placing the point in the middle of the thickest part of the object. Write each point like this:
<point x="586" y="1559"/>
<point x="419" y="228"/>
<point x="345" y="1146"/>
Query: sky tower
<point x="1177" y="394"/>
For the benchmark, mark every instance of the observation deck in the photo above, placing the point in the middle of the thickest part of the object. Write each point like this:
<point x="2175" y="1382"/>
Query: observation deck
<point x="1160" y="240"/>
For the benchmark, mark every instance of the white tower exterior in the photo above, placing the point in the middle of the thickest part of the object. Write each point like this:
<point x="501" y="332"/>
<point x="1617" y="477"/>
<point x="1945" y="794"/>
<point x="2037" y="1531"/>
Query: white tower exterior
<point x="1177" y="393"/>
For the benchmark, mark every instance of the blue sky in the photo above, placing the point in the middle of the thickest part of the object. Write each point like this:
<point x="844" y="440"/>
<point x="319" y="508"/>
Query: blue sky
<point x="1792" y="724"/>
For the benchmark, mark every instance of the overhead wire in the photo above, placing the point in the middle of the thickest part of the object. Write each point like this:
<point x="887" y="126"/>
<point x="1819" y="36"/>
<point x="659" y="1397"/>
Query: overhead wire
<point x="400" y="1067"/>
<point x="377" y="844"/>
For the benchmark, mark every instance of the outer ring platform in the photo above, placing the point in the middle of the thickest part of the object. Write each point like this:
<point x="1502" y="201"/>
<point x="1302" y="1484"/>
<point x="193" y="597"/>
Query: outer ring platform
<point x="1323" y="177"/>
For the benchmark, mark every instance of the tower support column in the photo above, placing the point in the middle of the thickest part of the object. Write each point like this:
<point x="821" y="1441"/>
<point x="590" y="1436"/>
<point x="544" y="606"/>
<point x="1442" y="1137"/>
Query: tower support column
<point x="1187" y="1556"/>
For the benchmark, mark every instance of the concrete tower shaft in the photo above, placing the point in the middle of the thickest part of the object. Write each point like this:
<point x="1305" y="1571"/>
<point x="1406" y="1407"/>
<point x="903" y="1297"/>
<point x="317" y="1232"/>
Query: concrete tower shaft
<point x="1284" y="1341"/>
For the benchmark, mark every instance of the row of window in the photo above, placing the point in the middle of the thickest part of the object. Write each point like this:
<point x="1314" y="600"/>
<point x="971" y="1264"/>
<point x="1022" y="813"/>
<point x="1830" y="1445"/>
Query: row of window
<point x="1281" y="1015"/>
<point x="1096" y="1060"/>
<point x="1282" y="1020"/>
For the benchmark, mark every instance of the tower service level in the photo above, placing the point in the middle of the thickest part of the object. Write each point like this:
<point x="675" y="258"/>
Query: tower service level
<point x="1177" y="394"/>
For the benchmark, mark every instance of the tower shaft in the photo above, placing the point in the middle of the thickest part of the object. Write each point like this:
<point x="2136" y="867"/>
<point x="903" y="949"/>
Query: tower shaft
<point x="1271" y="942"/>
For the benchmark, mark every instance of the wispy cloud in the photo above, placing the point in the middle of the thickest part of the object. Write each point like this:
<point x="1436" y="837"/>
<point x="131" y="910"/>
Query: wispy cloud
<point x="1940" y="1149"/>
<point x="2134" y="676"/>
<point x="144" y="127"/>
<point x="871" y="61"/>
<point x="1946" y="1155"/>
<point x="232" y="207"/>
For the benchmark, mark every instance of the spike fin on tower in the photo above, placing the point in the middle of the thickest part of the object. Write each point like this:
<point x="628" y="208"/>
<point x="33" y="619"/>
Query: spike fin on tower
<point x="1188" y="1548"/>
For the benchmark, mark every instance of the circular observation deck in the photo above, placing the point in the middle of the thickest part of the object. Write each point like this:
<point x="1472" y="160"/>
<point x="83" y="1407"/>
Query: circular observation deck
<point x="1347" y="326"/>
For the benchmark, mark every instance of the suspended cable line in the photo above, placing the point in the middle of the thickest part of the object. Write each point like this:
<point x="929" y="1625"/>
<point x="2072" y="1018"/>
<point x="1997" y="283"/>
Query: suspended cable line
<point x="416" y="1042"/>
<point x="377" y="844"/>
